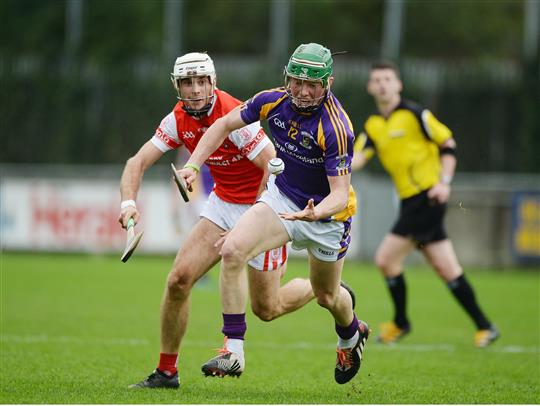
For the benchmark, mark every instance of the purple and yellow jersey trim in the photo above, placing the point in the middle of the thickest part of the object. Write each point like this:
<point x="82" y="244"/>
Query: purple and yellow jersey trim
<point x="266" y="108"/>
<point x="312" y="146"/>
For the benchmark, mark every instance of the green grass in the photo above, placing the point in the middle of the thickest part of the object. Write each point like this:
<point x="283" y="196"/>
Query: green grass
<point x="80" y="329"/>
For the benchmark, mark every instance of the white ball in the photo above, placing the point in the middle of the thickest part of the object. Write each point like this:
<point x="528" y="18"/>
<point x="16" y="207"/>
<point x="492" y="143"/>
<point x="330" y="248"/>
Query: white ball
<point x="276" y="166"/>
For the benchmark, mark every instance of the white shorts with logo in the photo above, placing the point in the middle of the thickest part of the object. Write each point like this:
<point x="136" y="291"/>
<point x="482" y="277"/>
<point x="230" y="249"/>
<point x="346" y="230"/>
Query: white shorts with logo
<point x="327" y="241"/>
<point x="225" y="215"/>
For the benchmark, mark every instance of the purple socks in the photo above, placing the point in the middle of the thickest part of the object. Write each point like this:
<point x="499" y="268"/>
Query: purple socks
<point x="349" y="331"/>
<point x="234" y="326"/>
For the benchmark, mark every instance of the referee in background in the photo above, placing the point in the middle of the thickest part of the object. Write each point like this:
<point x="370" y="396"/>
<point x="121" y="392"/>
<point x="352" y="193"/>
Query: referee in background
<point x="418" y="152"/>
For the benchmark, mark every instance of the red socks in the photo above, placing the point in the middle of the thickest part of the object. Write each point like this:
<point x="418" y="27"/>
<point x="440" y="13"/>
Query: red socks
<point x="167" y="363"/>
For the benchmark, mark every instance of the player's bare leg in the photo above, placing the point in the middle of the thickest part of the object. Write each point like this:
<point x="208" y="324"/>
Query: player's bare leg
<point x="389" y="258"/>
<point x="269" y="300"/>
<point x="325" y="278"/>
<point x="259" y="229"/>
<point x="193" y="260"/>
<point x="352" y="333"/>
<point x="391" y="253"/>
<point x="442" y="257"/>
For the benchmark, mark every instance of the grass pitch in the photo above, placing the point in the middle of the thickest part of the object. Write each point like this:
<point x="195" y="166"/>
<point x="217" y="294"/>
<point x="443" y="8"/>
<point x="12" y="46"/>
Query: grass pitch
<point x="80" y="329"/>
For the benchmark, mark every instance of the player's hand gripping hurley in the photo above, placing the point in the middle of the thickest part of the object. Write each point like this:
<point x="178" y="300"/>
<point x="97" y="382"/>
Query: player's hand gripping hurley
<point x="132" y="240"/>
<point x="182" y="187"/>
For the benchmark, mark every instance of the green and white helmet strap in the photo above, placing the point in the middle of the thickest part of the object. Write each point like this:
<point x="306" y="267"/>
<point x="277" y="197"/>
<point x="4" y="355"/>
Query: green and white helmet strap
<point x="308" y="63"/>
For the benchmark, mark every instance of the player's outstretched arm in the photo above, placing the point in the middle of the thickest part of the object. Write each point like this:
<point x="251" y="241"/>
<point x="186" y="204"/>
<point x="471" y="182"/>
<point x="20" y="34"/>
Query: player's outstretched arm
<point x="332" y="204"/>
<point x="130" y="181"/>
<point x="308" y="214"/>
<point x="212" y="139"/>
<point x="338" y="198"/>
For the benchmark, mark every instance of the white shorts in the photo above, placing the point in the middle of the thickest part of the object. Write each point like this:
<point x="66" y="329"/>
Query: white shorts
<point x="225" y="215"/>
<point x="327" y="241"/>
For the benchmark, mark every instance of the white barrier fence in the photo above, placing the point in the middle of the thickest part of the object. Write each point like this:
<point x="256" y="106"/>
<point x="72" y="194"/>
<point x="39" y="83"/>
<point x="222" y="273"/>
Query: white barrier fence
<point x="79" y="215"/>
<point x="493" y="220"/>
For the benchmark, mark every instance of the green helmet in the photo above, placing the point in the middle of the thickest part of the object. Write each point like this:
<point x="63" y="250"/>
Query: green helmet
<point x="310" y="62"/>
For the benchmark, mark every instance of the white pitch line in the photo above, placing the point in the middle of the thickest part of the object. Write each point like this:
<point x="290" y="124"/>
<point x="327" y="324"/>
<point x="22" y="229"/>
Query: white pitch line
<point x="291" y="346"/>
<point x="43" y="338"/>
<point x="302" y="345"/>
<point x="370" y="347"/>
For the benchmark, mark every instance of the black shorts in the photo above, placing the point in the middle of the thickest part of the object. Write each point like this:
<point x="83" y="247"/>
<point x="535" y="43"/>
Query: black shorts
<point x="421" y="219"/>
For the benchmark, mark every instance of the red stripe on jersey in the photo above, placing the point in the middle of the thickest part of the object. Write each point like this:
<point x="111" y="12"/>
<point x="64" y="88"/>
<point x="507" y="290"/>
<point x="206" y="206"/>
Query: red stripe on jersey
<point x="246" y="150"/>
<point x="266" y="258"/>
<point x="166" y="139"/>
<point x="275" y="258"/>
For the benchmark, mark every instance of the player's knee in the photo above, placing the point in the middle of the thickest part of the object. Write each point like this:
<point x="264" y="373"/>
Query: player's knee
<point x="380" y="261"/>
<point x="179" y="282"/>
<point x="326" y="300"/>
<point x="445" y="270"/>
<point x="231" y="253"/>
<point x="384" y="263"/>
<point x="263" y="312"/>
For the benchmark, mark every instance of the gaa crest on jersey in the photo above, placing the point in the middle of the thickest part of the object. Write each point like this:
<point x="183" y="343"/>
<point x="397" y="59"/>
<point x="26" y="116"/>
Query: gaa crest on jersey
<point x="306" y="139"/>
<point x="342" y="162"/>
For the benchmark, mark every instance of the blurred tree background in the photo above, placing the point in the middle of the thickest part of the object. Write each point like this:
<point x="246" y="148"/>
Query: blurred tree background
<point x="87" y="81"/>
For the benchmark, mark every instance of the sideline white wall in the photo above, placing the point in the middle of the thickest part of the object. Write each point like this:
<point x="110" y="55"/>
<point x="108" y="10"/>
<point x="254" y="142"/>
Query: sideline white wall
<point x="75" y="208"/>
<point x="79" y="215"/>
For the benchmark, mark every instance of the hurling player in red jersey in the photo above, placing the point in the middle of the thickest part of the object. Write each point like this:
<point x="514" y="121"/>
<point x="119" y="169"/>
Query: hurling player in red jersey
<point x="239" y="169"/>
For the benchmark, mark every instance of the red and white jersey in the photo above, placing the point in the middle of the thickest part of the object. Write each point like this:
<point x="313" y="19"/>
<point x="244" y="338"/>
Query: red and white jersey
<point x="236" y="178"/>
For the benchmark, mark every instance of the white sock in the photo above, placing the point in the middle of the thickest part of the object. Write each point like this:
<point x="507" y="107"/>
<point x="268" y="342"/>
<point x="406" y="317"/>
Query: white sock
<point x="348" y="343"/>
<point x="236" y="346"/>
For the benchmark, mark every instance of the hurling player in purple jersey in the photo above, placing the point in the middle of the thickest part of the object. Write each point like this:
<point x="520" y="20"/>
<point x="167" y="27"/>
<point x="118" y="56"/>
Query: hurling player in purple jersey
<point x="310" y="203"/>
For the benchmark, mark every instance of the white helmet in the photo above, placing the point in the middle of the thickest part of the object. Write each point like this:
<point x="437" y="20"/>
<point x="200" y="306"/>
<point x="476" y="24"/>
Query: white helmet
<point x="194" y="64"/>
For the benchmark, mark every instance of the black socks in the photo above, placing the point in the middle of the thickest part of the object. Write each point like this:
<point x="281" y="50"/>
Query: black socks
<point x="464" y="294"/>
<point x="398" y="291"/>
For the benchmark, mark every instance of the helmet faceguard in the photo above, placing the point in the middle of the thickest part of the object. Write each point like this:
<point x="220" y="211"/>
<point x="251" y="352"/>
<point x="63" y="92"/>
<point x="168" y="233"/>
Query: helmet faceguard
<point x="310" y="63"/>
<point x="193" y="66"/>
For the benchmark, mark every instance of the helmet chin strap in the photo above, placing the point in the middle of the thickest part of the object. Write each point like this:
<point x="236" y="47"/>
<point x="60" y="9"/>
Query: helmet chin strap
<point x="306" y="109"/>
<point x="199" y="112"/>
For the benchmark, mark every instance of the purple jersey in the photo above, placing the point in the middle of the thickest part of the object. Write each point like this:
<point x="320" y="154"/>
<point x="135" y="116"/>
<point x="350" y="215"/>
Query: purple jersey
<point x="312" y="146"/>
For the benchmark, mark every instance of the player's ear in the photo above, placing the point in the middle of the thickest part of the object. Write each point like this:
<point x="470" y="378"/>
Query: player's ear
<point x="368" y="88"/>
<point x="330" y="81"/>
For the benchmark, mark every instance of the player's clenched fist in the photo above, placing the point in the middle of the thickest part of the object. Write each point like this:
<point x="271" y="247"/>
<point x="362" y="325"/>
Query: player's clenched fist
<point x="126" y="213"/>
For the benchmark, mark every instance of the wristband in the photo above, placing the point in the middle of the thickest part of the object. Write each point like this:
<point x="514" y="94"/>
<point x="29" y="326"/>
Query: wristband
<point x="446" y="179"/>
<point x="195" y="167"/>
<point x="127" y="203"/>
